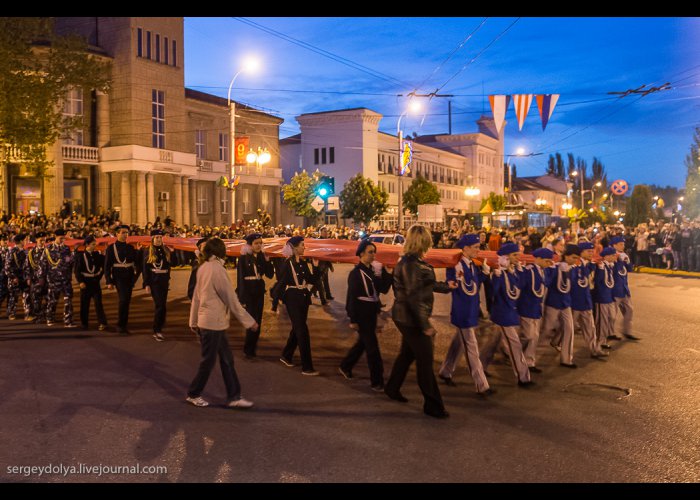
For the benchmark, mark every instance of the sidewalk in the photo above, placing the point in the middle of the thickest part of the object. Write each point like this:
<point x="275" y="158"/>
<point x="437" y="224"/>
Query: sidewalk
<point x="667" y="272"/>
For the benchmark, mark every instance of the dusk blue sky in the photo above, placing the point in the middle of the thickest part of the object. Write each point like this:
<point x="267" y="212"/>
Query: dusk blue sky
<point x="641" y="140"/>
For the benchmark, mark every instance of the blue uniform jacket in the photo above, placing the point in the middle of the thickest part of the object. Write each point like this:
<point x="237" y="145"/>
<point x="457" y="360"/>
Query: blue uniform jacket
<point x="581" y="280"/>
<point x="602" y="294"/>
<point x="556" y="298"/>
<point x="529" y="304"/>
<point x="504" y="310"/>
<point x="621" y="288"/>
<point x="465" y="308"/>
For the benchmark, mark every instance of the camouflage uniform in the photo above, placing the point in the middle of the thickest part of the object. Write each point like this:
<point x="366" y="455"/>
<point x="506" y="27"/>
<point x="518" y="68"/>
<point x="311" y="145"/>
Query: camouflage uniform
<point x="3" y="279"/>
<point x="58" y="261"/>
<point x="35" y="270"/>
<point x="14" y="270"/>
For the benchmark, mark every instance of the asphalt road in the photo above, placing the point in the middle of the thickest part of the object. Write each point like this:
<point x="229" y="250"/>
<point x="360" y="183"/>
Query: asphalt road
<point x="71" y="397"/>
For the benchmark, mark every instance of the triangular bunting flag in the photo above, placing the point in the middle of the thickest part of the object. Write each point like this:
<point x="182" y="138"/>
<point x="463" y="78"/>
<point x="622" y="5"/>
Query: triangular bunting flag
<point x="546" y="103"/>
<point x="522" y="104"/>
<point x="223" y="182"/>
<point x="499" y="106"/>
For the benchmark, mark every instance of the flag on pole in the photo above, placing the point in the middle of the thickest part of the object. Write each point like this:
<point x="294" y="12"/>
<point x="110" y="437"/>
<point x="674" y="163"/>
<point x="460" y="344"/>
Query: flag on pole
<point x="522" y="104"/>
<point x="545" y="104"/>
<point x="499" y="106"/>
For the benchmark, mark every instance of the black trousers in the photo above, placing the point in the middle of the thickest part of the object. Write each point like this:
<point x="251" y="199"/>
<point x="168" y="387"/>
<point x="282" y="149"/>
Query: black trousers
<point x="214" y="343"/>
<point x="418" y="347"/>
<point x="254" y="304"/>
<point x="92" y="291"/>
<point x="297" y="303"/>
<point x="124" y="289"/>
<point x="159" y="293"/>
<point x="367" y="341"/>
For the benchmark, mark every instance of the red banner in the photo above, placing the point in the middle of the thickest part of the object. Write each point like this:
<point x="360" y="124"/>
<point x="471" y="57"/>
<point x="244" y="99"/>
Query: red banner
<point x="242" y="146"/>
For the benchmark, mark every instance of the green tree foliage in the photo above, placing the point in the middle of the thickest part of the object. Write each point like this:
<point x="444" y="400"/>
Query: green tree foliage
<point x="362" y="201"/>
<point x="498" y="201"/>
<point x="37" y="69"/>
<point x="691" y="204"/>
<point x="300" y="192"/>
<point x="639" y="205"/>
<point x="571" y="164"/>
<point x="559" y="161"/>
<point x="551" y="166"/>
<point x="420" y="192"/>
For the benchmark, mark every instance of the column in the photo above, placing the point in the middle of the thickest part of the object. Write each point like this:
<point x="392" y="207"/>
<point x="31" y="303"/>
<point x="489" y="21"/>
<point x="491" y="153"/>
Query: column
<point x="193" y="201"/>
<point x="217" y="205"/>
<point x="125" y="198"/>
<point x="186" y="208"/>
<point x="150" y="198"/>
<point x="140" y="217"/>
<point x="53" y="183"/>
<point x="176" y="211"/>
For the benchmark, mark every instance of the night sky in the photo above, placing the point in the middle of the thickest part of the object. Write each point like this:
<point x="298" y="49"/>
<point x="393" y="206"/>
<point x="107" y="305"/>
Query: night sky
<point x="639" y="139"/>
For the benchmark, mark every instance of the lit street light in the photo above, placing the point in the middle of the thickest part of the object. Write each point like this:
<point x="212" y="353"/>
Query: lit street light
<point x="413" y="107"/>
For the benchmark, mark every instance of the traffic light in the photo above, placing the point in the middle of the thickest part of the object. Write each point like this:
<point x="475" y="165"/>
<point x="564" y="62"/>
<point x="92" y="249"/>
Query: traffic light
<point x="326" y="186"/>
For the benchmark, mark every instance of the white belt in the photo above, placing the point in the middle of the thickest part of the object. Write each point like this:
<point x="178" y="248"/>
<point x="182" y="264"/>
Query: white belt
<point x="90" y="275"/>
<point x="298" y="287"/>
<point x="159" y="271"/>
<point x="368" y="299"/>
<point x="130" y="264"/>
<point x="251" y="278"/>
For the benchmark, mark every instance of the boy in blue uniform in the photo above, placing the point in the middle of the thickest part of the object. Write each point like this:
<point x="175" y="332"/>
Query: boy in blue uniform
<point x="532" y="286"/>
<point x="621" y="291"/>
<point x="464" y="314"/>
<point x="504" y="313"/>
<point x="581" y="300"/>
<point x="603" y="299"/>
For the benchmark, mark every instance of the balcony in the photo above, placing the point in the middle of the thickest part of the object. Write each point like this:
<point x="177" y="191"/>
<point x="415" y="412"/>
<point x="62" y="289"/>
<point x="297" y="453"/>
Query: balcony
<point x="205" y="165"/>
<point x="80" y="154"/>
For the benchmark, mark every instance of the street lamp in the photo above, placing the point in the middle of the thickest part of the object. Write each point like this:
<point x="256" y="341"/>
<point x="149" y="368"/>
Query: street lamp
<point x="567" y="206"/>
<point x="413" y="107"/>
<point x="250" y="65"/>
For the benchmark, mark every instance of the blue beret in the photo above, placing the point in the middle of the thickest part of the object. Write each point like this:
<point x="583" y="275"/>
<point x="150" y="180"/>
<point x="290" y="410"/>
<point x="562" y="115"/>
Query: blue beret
<point x="607" y="251"/>
<point x="572" y="250"/>
<point x="543" y="253"/>
<point x="508" y="248"/>
<point x="88" y="239"/>
<point x="467" y="240"/>
<point x="157" y="232"/>
<point x="19" y="238"/>
<point x="585" y="245"/>
<point x="617" y="239"/>
<point x="363" y="245"/>
<point x="295" y="240"/>
<point x="59" y="232"/>
<point x="252" y="237"/>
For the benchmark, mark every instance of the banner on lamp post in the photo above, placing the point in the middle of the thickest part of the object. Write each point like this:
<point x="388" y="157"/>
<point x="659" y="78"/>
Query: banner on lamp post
<point x="242" y="145"/>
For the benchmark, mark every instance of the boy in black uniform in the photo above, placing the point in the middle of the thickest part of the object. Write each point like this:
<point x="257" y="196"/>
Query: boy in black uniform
<point x="3" y="256"/>
<point x="122" y="269"/>
<point x="35" y="277"/>
<point x="156" y="279"/>
<point x="14" y="270"/>
<point x="89" y="268"/>
<point x="252" y="266"/>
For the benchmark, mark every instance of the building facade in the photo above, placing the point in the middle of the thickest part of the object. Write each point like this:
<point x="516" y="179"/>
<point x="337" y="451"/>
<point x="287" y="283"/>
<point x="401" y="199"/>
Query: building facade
<point x="552" y="192"/>
<point x="150" y="148"/>
<point x="348" y="142"/>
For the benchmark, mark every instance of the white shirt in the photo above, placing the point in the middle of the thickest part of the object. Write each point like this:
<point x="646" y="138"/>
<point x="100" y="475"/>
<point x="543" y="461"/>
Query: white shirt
<point x="214" y="297"/>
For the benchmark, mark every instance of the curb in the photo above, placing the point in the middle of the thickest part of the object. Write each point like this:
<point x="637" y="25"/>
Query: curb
<point x="667" y="272"/>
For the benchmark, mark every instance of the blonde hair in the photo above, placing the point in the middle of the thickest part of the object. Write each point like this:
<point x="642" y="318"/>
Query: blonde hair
<point x="418" y="241"/>
<point x="152" y="253"/>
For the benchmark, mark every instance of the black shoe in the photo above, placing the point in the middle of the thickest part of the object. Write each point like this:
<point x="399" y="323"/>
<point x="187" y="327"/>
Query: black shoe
<point x="84" y="326"/>
<point x="346" y="374"/>
<point x="614" y="337"/>
<point x="569" y="365"/>
<point x="324" y="302"/>
<point x="534" y="369"/>
<point x="378" y="388"/>
<point x="487" y="392"/>
<point x="249" y="356"/>
<point x="448" y="381"/>
<point x="124" y="331"/>
<point x="605" y="346"/>
<point x="529" y="383"/>
<point x="396" y="397"/>
<point x="437" y="414"/>
<point x="600" y="355"/>
<point x="631" y="337"/>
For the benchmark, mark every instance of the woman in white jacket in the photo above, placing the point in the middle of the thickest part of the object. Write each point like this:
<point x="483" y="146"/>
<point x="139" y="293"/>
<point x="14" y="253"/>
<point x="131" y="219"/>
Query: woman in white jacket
<point x="213" y="299"/>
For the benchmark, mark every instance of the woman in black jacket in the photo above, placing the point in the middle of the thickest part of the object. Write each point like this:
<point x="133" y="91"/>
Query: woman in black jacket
<point x="156" y="280"/>
<point x="414" y="284"/>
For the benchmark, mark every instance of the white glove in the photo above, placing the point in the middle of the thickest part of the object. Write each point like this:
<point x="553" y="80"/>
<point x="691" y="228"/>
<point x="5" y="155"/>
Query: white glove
<point x="564" y="266"/>
<point x="485" y="267"/>
<point x="519" y="267"/>
<point x="624" y="257"/>
<point x="377" y="267"/>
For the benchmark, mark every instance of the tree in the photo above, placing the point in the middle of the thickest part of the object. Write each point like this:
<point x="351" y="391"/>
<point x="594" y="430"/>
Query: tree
<point x="571" y="167"/>
<point x="300" y="192"/>
<point x="420" y="192"/>
<point x="559" y="166"/>
<point x="551" y="166"/>
<point x="691" y="204"/>
<point x="362" y="201"/>
<point x="497" y="201"/>
<point x="639" y="205"/>
<point x="37" y="69"/>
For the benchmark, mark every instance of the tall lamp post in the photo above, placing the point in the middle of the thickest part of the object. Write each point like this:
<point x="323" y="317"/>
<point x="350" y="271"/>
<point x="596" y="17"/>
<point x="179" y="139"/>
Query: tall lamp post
<point x="415" y="107"/>
<point x="250" y="65"/>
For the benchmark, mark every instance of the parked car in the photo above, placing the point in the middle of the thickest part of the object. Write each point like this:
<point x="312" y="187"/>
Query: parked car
<point x="387" y="238"/>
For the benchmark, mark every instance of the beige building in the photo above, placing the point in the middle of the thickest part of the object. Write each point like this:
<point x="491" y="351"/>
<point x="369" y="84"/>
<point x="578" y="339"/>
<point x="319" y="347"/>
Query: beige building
<point x="551" y="191"/>
<point x="346" y="142"/>
<point x="151" y="148"/>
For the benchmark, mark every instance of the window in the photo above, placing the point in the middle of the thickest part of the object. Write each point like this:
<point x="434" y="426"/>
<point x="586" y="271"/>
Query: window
<point x="315" y="156"/>
<point x="139" y="42"/>
<point x="200" y="144"/>
<point x="158" y="118"/>
<point x="223" y="146"/>
<point x="157" y="48"/>
<point x="245" y="200"/>
<point x="331" y="155"/>
<point x="224" y="202"/>
<point x="323" y="156"/>
<point x="202" y="199"/>
<point x="174" y="53"/>
<point x="165" y="49"/>
<point x="264" y="199"/>
<point x="148" y="44"/>
<point x="73" y="106"/>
